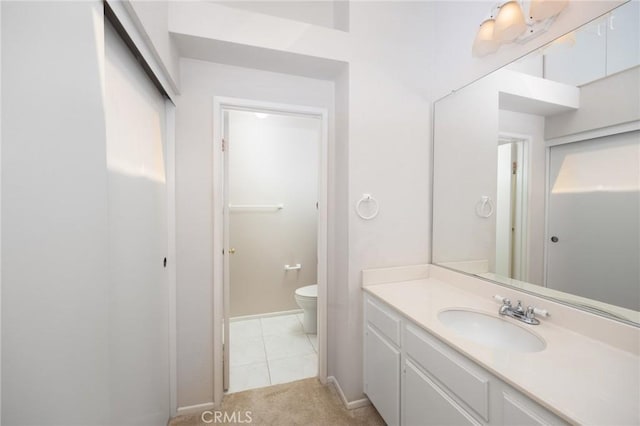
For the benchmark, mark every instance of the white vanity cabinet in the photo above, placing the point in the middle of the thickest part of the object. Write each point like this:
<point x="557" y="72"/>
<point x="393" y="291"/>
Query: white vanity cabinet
<point x="415" y="379"/>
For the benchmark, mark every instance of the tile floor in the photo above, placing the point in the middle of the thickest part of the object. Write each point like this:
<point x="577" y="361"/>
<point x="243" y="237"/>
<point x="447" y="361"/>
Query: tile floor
<point x="269" y="351"/>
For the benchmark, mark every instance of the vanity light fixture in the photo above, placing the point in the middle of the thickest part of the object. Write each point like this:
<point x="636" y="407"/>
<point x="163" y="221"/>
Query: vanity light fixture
<point x="507" y="23"/>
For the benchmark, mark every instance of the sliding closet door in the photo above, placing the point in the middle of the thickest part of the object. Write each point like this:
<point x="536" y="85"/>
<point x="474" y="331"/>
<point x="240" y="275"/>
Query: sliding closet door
<point x="593" y="244"/>
<point x="139" y="314"/>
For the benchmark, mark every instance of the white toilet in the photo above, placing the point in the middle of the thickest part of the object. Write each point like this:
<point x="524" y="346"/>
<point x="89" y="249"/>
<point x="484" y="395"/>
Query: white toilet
<point x="307" y="299"/>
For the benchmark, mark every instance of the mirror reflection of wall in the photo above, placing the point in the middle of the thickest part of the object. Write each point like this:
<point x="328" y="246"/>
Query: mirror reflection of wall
<point x="567" y="112"/>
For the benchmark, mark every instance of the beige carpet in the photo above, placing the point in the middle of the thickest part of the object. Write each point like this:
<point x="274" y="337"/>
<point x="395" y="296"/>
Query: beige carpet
<point x="305" y="402"/>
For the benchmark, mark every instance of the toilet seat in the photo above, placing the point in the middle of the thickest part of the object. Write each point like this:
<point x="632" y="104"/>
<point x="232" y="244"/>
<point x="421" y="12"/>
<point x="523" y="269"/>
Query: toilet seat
<point x="309" y="291"/>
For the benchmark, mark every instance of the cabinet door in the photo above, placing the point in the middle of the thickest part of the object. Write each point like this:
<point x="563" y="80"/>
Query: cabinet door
<point x="424" y="403"/>
<point x="520" y="410"/>
<point x="382" y="376"/>
<point x="582" y="62"/>
<point x="623" y="38"/>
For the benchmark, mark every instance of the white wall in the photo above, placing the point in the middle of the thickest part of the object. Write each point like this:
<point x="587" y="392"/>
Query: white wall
<point x="272" y="160"/>
<point x="605" y="102"/>
<point x="154" y="18"/>
<point x="338" y="275"/>
<point x="201" y="81"/>
<point x="54" y="215"/>
<point x="313" y="12"/>
<point x="466" y="152"/>
<point x="388" y="157"/>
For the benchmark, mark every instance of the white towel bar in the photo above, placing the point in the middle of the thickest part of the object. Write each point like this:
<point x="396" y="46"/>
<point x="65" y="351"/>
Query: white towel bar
<point x="292" y="267"/>
<point x="249" y="207"/>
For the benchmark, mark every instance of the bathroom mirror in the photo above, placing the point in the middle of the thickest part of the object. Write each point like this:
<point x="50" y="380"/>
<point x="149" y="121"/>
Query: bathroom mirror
<point x="537" y="171"/>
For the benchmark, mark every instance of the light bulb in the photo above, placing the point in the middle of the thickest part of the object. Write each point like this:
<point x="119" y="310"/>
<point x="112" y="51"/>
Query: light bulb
<point x="510" y="23"/>
<point x="485" y="43"/>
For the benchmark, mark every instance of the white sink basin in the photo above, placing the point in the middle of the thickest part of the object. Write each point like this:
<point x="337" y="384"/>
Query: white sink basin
<point x="491" y="331"/>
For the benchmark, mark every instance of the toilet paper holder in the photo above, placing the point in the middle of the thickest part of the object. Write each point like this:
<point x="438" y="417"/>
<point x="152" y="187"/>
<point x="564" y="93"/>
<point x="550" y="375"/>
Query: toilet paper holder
<point x="292" y="267"/>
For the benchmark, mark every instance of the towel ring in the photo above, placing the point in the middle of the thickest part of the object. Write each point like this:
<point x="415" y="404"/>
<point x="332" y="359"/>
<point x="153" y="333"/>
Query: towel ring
<point x="484" y="207"/>
<point x="367" y="198"/>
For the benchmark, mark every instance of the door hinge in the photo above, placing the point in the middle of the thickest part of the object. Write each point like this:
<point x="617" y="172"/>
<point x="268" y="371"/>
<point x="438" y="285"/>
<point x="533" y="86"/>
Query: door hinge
<point x="515" y="167"/>
<point x="223" y="145"/>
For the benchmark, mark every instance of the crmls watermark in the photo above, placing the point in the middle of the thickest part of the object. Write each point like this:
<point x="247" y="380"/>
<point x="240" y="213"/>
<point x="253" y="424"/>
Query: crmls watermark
<point x="210" y="417"/>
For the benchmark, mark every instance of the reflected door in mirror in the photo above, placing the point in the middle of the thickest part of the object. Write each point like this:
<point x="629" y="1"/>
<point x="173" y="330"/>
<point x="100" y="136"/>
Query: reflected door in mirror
<point x="593" y="228"/>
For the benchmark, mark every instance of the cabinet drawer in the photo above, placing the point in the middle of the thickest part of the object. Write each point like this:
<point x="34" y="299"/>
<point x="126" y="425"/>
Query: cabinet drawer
<point x="382" y="319"/>
<point x="459" y="375"/>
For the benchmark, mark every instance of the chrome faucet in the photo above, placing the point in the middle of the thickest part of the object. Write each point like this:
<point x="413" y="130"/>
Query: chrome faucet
<point x="525" y="315"/>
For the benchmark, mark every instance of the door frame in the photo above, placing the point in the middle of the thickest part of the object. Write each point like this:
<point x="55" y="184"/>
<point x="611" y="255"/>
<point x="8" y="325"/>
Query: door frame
<point x="220" y="296"/>
<point x="170" y="175"/>
<point x="521" y="241"/>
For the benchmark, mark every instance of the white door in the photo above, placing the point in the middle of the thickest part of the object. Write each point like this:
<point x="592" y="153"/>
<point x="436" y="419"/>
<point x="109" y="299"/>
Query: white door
<point x="593" y="238"/>
<point x="138" y="305"/>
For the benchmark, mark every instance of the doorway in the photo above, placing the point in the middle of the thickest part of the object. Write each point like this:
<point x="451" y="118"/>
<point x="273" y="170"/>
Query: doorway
<point x="511" y="207"/>
<point x="271" y="186"/>
<point x="271" y="182"/>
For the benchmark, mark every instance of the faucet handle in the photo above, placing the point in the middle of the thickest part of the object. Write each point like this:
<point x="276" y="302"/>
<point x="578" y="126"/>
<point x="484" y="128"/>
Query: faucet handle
<point x="530" y="314"/>
<point x="506" y="302"/>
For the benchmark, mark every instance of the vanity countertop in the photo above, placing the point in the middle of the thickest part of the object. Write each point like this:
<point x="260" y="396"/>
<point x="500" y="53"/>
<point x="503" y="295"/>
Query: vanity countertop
<point x="582" y="380"/>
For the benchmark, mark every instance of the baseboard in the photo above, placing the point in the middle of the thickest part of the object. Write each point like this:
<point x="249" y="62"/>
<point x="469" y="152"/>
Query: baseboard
<point x="350" y="405"/>
<point x="195" y="409"/>
<point x="267" y="315"/>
